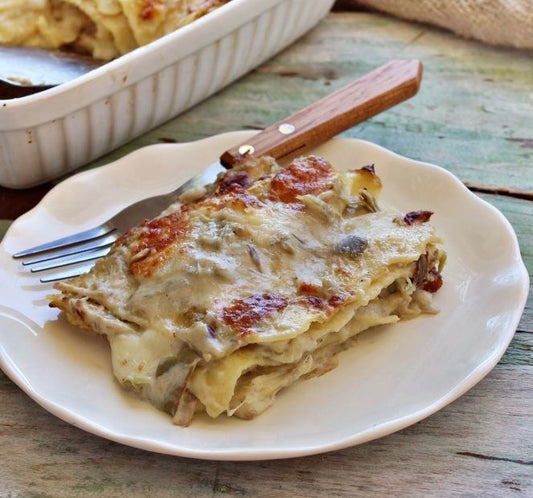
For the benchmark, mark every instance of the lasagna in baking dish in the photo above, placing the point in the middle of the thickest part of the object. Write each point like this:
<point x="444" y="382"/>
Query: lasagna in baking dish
<point x="102" y="28"/>
<point x="234" y="294"/>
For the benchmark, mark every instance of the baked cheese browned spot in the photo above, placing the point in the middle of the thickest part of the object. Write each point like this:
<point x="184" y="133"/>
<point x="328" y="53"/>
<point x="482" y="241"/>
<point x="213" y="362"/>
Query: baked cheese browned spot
<point x="243" y="314"/>
<point x="303" y="176"/>
<point x="149" y="245"/>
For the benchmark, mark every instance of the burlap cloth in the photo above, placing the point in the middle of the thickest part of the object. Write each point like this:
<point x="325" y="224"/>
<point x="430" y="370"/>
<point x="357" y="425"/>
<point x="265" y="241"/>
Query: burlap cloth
<point x="498" y="22"/>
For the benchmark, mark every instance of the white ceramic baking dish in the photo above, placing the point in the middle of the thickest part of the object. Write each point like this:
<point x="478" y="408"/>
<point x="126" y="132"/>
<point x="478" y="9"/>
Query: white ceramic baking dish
<point x="46" y="135"/>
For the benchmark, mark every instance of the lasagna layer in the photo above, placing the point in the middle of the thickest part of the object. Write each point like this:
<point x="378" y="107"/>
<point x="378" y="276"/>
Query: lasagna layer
<point x="227" y="298"/>
<point x="102" y="28"/>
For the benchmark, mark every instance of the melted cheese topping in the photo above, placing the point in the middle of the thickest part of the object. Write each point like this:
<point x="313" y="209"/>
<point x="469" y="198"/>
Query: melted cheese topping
<point x="103" y="28"/>
<point x="222" y="301"/>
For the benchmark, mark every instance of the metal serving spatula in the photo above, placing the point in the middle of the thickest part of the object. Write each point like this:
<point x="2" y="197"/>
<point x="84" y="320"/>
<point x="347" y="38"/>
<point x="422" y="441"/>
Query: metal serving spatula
<point x="28" y="70"/>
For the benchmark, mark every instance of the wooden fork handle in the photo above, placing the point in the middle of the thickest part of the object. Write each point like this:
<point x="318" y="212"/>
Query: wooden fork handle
<point x="367" y="96"/>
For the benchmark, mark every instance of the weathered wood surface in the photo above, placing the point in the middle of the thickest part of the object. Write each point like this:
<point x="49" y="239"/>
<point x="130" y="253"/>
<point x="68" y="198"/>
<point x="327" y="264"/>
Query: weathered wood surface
<point x="474" y="116"/>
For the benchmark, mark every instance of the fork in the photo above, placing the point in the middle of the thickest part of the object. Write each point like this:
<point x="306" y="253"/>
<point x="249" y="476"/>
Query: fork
<point x="365" y="97"/>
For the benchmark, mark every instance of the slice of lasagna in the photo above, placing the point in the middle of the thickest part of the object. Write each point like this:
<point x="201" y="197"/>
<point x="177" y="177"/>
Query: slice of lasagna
<point x="227" y="298"/>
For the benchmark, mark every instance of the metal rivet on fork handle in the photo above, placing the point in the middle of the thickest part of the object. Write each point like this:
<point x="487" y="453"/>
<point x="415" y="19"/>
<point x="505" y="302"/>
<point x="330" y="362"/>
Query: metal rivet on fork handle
<point x="246" y="149"/>
<point x="286" y="128"/>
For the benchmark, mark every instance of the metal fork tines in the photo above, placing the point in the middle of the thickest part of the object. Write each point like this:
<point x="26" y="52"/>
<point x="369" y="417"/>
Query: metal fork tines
<point x="70" y="254"/>
<point x="83" y="247"/>
<point x="88" y="246"/>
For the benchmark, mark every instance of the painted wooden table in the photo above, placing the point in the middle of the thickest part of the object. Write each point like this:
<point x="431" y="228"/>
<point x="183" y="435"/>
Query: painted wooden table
<point x="473" y="116"/>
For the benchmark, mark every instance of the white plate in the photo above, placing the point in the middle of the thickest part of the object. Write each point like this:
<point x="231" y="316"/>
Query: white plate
<point x="394" y="377"/>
